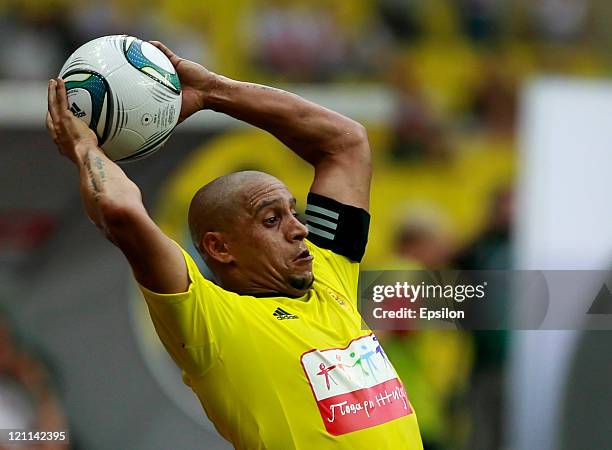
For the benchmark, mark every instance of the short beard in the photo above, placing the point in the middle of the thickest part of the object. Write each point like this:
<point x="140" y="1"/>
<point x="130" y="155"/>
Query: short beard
<point x="301" y="283"/>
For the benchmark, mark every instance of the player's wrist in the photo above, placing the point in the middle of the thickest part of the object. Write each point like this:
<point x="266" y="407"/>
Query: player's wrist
<point x="81" y="149"/>
<point x="214" y="91"/>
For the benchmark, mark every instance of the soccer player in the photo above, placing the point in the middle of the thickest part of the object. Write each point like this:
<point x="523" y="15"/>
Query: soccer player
<point x="251" y="345"/>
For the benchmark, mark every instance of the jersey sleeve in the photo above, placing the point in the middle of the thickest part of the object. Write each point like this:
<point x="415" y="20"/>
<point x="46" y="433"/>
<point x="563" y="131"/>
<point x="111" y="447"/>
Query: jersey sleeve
<point x="190" y="323"/>
<point x="337" y="236"/>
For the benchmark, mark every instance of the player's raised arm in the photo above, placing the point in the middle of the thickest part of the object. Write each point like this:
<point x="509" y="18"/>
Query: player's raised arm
<point x="335" y="145"/>
<point x="113" y="202"/>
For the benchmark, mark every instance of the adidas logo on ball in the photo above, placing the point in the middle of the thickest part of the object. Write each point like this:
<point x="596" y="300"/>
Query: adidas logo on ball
<point x="78" y="112"/>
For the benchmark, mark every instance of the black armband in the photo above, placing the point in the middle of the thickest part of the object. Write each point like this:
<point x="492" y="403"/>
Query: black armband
<point x="343" y="229"/>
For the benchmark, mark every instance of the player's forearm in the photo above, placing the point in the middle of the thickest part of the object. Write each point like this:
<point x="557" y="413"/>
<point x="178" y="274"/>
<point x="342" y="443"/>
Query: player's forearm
<point x="105" y="188"/>
<point x="312" y="131"/>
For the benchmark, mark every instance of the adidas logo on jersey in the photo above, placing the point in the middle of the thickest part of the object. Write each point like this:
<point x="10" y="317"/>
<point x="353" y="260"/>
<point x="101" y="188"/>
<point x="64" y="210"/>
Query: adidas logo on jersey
<point x="281" y="314"/>
<point x="78" y="112"/>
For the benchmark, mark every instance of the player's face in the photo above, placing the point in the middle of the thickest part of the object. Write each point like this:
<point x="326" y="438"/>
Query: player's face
<point x="269" y="247"/>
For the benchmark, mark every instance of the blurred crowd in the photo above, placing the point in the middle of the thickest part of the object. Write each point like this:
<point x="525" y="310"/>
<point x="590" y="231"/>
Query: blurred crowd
<point x="455" y="70"/>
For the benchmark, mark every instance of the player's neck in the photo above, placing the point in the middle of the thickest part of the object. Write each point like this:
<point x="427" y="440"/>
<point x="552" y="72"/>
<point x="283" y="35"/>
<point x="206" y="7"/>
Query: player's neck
<point x="257" y="284"/>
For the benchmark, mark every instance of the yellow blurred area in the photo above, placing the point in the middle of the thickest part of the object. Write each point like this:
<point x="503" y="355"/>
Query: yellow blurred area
<point x="435" y="365"/>
<point x="35" y="9"/>
<point x="444" y="63"/>
<point x="443" y="59"/>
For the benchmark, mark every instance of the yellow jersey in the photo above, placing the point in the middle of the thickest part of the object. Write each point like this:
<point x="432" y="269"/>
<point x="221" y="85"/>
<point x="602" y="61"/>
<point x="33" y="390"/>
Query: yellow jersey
<point x="287" y="373"/>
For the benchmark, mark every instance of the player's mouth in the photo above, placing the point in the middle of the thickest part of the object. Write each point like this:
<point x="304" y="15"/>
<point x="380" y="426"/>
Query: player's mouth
<point x="303" y="257"/>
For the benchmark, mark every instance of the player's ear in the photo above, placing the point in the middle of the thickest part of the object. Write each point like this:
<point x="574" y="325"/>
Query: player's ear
<point x="215" y="245"/>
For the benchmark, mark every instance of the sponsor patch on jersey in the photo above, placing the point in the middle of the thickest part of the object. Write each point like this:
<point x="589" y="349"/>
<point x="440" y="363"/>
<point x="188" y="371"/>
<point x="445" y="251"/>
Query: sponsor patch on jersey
<point x="355" y="387"/>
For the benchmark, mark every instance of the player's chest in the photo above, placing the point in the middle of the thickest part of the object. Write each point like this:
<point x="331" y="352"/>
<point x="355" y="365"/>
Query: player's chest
<point x="286" y="329"/>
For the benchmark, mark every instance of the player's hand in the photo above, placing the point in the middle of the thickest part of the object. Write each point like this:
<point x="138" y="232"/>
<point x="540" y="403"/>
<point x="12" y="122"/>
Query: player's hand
<point x="196" y="81"/>
<point x="70" y="134"/>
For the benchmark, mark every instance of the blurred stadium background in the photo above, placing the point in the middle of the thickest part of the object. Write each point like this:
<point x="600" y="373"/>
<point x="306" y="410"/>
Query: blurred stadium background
<point x="451" y="93"/>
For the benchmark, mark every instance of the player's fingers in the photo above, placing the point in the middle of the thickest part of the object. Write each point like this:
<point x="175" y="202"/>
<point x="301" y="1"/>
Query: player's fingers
<point x="49" y="123"/>
<point x="165" y="50"/>
<point x="51" y="129"/>
<point x="52" y="103"/>
<point x="62" y="97"/>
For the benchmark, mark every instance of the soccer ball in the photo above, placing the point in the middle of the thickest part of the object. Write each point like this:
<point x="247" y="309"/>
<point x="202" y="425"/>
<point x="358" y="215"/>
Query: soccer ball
<point x="127" y="92"/>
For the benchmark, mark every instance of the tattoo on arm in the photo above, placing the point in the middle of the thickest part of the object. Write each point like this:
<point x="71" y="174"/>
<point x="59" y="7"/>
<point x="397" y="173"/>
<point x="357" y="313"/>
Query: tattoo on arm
<point x="95" y="179"/>
<point x="261" y="87"/>
<point x="100" y="167"/>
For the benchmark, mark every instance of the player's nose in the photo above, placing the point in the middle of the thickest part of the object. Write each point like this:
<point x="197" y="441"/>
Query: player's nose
<point x="297" y="230"/>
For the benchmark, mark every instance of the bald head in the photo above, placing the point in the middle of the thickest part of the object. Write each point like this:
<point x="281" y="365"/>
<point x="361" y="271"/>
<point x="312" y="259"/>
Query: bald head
<point x="245" y="226"/>
<point x="216" y="206"/>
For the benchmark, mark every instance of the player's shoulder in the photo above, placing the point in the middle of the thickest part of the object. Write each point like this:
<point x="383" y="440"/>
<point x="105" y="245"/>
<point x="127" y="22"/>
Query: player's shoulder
<point x="200" y="284"/>
<point x="333" y="271"/>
